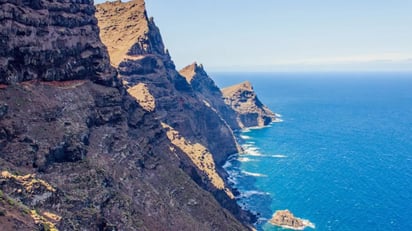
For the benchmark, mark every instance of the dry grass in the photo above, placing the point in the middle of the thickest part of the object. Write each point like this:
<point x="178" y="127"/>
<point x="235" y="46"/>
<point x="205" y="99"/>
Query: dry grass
<point x="120" y="33"/>
<point x="142" y="95"/>
<point x="28" y="181"/>
<point x="200" y="156"/>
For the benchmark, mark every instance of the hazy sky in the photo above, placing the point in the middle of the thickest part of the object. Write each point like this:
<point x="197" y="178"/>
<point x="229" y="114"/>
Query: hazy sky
<point x="287" y="35"/>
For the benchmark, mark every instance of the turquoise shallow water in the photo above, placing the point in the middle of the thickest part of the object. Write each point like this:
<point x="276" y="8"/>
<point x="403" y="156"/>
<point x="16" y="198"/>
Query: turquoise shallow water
<point x="342" y="157"/>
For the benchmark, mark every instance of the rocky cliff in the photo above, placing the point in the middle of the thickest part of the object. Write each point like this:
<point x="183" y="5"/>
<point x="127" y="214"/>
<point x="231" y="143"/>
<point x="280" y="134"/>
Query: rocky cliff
<point x="238" y="105"/>
<point x="144" y="60"/>
<point x="251" y="112"/>
<point x="206" y="89"/>
<point x="77" y="152"/>
<point x="51" y="40"/>
<point x="149" y="75"/>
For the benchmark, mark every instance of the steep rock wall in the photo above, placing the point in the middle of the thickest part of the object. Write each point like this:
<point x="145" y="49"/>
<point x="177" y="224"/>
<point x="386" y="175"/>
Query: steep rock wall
<point x="145" y="60"/>
<point x="77" y="153"/>
<point x="192" y="125"/>
<point x="51" y="40"/>
<point x="206" y="89"/>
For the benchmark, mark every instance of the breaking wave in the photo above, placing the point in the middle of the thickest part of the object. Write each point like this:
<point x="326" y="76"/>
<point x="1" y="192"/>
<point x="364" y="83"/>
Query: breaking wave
<point x="253" y="174"/>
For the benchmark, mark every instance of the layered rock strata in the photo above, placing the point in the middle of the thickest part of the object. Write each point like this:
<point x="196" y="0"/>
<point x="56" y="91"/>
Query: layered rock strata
<point x="51" y="40"/>
<point x="79" y="153"/>
<point x="251" y="112"/>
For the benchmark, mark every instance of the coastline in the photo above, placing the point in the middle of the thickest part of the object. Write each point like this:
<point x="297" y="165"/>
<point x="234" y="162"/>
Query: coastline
<point x="231" y="179"/>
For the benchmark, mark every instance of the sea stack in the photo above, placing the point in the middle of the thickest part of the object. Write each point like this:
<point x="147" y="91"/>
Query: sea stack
<point x="251" y="112"/>
<point x="285" y="219"/>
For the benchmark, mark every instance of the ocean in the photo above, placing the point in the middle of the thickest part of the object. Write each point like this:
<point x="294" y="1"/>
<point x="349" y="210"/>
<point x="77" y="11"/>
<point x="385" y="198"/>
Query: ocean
<point x="341" y="157"/>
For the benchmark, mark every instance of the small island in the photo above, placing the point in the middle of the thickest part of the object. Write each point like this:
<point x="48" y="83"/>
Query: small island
<point x="285" y="219"/>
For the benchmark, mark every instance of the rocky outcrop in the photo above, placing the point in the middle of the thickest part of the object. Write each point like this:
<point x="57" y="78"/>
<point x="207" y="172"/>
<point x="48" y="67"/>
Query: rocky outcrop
<point x="51" y="40"/>
<point x="238" y="105"/>
<point x="129" y="34"/>
<point x="251" y="112"/>
<point x="77" y="153"/>
<point x="285" y="219"/>
<point x="206" y="89"/>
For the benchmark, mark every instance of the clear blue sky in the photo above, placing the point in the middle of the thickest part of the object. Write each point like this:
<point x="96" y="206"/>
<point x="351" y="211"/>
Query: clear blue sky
<point x="287" y="35"/>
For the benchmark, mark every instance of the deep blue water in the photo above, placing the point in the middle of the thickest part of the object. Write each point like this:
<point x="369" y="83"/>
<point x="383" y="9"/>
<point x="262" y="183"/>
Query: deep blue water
<point x="342" y="157"/>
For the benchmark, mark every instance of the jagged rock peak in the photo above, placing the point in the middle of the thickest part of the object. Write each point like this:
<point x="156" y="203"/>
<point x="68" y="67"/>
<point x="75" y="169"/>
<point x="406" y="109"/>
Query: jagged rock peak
<point x="207" y="90"/>
<point x="128" y="32"/>
<point x="38" y="43"/>
<point x="243" y="86"/>
<point x="246" y="85"/>
<point x="251" y="111"/>
<point x="190" y="71"/>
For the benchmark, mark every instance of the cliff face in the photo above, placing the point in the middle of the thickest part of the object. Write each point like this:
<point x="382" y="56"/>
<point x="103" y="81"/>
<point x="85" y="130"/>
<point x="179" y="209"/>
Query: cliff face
<point x="145" y="60"/>
<point x="250" y="110"/>
<point x="51" y="40"/>
<point x="147" y="71"/>
<point x="238" y="105"/>
<point x="206" y="89"/>
<point x="77" y="153"/>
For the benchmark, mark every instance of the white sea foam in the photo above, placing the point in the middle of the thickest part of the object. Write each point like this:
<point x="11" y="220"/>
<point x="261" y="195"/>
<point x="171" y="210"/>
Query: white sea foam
<point x="232" y="157"/>
<point x="252" y="193"/>
<point x="245" y="137"/>
<point x="245" y="159"/>
<point x="306" y="223"/>
<point x="251" y="150"/>
<point x="278" y="156"/>
<point x="247" y="145"/>
<point x="253" y="174"/>
<point x="246" y="130"/>
<point x="232" y="178"/>
<point x="256" y="128"/>
<point x="227" y="165"/>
